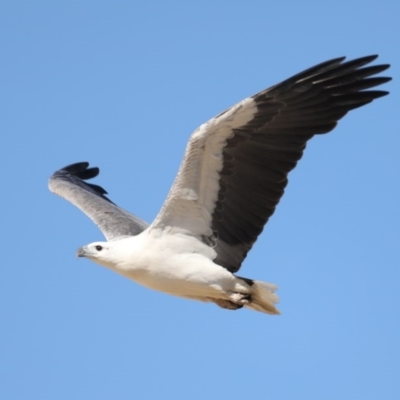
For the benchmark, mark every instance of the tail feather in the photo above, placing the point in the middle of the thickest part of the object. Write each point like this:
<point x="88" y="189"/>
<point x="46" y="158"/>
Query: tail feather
<point x="263" y="297"/>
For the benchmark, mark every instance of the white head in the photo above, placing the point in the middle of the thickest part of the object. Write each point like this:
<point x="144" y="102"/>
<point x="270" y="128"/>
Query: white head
<point x="103" y="253"/>
<point x="119" y="255"/>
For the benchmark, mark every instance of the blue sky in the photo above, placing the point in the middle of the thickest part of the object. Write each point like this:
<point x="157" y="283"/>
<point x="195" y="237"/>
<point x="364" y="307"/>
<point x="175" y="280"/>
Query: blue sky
<point x="122" y="85"/>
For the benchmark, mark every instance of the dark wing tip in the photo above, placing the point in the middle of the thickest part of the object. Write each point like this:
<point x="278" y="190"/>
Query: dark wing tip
<point x="336" y="68"/>
<point x="79" y="173"/>
<point x="80" y="170"/>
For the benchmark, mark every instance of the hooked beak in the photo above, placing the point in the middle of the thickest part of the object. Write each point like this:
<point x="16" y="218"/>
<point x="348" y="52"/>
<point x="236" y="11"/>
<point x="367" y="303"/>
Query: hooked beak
<point x="81" y="252"/>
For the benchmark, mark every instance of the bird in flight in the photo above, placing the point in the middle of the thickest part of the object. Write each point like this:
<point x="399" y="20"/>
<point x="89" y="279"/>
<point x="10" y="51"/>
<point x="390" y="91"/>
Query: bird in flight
<point x="233" y="174"/>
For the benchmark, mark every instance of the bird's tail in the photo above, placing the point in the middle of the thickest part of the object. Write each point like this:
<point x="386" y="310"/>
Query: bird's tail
<point x="263" y="297"/>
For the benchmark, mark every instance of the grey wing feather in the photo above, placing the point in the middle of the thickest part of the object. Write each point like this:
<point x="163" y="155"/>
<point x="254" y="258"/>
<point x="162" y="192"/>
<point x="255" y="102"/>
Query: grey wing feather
<point x="260" y="154"/>
<point x="113" y="221"/>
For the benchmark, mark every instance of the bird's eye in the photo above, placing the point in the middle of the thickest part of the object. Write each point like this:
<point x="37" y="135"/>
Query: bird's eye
<point x="99" y="248"/>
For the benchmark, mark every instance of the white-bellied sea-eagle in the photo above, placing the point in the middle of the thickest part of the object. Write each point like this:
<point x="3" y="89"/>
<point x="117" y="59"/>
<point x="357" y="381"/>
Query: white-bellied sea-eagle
<point x="233" y="174"/>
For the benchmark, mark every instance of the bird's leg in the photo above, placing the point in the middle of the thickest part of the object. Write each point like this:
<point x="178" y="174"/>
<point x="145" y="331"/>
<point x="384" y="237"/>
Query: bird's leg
<point x="227" y="304"/>
<point x="237" y="300"/>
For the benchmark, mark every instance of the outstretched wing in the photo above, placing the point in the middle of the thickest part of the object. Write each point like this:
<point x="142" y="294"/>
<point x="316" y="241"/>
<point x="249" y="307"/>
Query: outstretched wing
<point x="236" y="165"/>
<point x="113" y="221"/>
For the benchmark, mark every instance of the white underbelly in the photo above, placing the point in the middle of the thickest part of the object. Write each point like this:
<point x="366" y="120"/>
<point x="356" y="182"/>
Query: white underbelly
<point x="186" y="275"/>
<point x="177" y="264"/>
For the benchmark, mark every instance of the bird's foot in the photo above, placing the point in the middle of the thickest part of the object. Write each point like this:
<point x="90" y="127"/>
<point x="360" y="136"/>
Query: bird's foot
<point x="240" y="298"/>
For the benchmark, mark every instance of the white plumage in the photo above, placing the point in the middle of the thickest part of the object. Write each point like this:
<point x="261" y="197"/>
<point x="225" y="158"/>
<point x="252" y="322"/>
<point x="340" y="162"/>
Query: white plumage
<point x="232" y="177"/>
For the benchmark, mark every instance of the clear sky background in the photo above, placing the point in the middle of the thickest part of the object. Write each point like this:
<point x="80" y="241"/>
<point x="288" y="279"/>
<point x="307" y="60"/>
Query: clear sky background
<point x="122" y="84"/>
